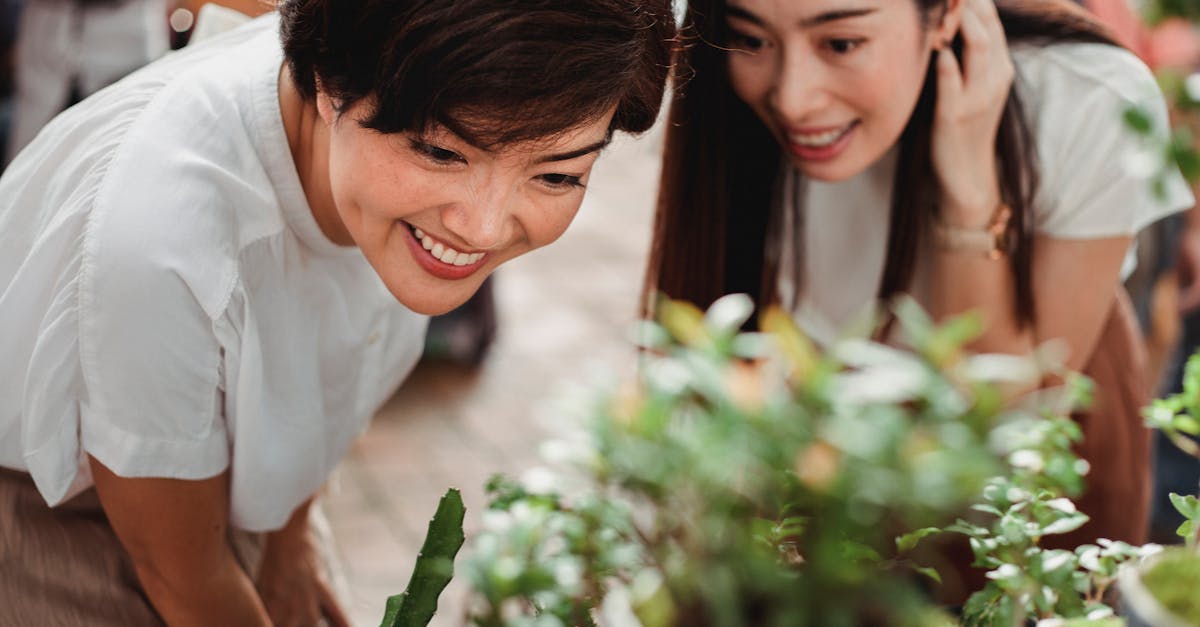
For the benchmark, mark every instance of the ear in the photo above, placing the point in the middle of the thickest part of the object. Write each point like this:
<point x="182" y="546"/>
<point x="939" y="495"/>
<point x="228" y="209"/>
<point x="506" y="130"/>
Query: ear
<point x="947" y="24"/>
<point x="326" y="107"/>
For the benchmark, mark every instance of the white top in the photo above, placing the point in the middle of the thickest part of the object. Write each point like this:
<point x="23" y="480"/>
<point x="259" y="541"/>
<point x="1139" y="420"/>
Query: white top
<point x="169" y="304"/>
<point x="1074" y="96"/>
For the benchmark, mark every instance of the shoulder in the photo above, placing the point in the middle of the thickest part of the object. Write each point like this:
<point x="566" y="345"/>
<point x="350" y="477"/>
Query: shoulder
<point x="1075" y="97"/>
<point x="185" y="187"/>
<point x="1071" y="76"/>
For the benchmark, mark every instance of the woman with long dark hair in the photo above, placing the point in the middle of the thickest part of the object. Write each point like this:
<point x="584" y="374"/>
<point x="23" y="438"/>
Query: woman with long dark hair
<point x="213" y="272"/>
<point x="829" y="155"/>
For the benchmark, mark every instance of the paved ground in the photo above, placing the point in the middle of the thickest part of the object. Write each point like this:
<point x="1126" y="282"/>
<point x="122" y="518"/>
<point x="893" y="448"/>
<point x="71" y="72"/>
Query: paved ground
<point x="564" y="311"/>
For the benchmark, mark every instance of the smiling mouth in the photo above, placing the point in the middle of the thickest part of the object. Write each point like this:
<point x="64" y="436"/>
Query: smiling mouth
<point x="444" y="253"/>
<point x="824" y="139"/>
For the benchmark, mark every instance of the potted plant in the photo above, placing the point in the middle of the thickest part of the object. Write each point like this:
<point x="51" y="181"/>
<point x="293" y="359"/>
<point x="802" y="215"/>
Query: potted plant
<point x="1162" y="591"/>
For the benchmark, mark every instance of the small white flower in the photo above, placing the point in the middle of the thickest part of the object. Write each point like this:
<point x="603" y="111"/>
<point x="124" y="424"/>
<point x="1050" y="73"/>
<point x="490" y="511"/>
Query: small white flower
<point x="496" y="520"/>
<point x="568" y="574"/>
<point x="507" y="567"/>
<point x="539" y="480"/>
<point x="1100" y="612"/>
<point x="1027" y="460"/>
<point x="1192" y="86"/>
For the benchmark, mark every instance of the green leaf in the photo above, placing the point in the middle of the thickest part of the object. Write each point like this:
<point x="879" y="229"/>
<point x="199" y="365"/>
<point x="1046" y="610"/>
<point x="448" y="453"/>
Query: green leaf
<point x="434" y="568"/>
<point x="1137" y="119"/>
<point x="932" y="573"/>
<point x="908" y="541"/>
<point x="1188" y="506"/>
<point x="1065" y="524"/>
<point x="685" y="322"/>
<point x="1187" y="424"/>
<point x="1186" y="529"/>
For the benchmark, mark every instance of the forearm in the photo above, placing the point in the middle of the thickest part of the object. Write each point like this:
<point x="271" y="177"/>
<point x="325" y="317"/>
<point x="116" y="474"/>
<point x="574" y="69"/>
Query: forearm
<point x="965" y="281"/>
<point x="223" y="596"/>
<point x="175" y="532"/>
<point x="294" y="531"/>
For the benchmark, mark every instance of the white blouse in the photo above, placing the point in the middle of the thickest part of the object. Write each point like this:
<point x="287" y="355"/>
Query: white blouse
<point x="169" y="305"/>
<point x="1074" y="96"/>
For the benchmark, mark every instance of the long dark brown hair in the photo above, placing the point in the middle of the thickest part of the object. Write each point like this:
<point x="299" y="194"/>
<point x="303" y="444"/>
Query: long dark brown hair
<point x="718" y="225"/>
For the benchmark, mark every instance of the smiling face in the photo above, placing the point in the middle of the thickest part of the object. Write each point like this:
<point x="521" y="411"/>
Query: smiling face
<point x="835" y="81"/>
<point x="435" y="215"/>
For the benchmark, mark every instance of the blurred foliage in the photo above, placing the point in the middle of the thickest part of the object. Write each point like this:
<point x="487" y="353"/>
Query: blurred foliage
<point x="1176" y="148"/>
<point x="754" y="479"/>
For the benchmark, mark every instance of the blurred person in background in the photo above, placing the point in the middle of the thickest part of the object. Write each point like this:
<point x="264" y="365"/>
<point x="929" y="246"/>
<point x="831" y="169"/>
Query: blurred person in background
<point x="10" y="12"/>
<point x="200" y="268"/>
<point x="69" y="49"/>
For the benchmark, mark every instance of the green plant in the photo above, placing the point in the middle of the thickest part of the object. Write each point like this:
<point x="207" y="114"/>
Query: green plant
<point x="752" y="479"/>
<point x="1174" y="580"/>
<point x="434" y="567"/>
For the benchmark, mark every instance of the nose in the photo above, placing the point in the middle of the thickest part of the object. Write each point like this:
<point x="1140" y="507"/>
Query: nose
<point x="800" y="88"/>
<point x="482" y="217"/>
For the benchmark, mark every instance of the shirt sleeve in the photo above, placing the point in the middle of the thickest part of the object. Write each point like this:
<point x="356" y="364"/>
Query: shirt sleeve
<point x="1095" y="170"/>
<point x="154" y="265"/>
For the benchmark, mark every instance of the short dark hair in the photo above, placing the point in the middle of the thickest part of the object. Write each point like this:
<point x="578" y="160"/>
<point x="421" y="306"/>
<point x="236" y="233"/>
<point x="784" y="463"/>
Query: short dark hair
<point x="494" y="72"/>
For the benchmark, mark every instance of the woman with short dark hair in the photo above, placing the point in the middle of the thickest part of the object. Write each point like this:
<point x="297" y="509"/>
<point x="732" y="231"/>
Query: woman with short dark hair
<point x="200" y="268"/>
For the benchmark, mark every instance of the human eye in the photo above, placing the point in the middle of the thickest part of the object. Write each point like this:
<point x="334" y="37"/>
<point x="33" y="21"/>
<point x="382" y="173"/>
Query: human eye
<point x="844" y="45"/>
<point x="740" y="40"/>
<point x="560" y="182"/>
<point x="436" y="154"/>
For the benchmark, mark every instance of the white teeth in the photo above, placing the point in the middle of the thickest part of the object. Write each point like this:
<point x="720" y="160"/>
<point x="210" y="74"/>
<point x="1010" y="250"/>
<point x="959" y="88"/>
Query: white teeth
<point x="818" y="139"/>
<point x="444" y="253"/>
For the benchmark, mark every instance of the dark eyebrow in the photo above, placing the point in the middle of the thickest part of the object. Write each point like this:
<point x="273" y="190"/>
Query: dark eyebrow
<point x="820" y="18"/>
<point x="567" y="156"/>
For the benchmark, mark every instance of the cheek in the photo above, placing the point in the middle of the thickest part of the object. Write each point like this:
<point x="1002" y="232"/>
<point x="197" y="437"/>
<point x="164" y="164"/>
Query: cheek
<point x="750" y="77"/>
<point x="550" y="219"/>
<point x="891" y="93"/>
<point x="369" y="187"/>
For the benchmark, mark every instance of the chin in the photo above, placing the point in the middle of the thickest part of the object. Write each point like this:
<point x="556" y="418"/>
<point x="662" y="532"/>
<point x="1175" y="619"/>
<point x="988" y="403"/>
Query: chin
<point x="436" y="306"/>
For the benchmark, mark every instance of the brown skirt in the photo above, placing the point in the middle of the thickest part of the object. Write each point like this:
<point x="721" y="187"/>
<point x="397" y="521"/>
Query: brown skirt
<point x="64" y="566"/>
<point x="1116" y="445"/>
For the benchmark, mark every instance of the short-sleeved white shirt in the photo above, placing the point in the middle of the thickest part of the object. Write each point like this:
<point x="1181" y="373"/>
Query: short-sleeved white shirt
<point x="168" y="303"/>
<point x="1074" y="96"/>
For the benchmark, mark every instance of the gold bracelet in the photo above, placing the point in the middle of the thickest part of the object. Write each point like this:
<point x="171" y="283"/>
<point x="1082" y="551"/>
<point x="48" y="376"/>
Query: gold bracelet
<point x="991" y="240"/>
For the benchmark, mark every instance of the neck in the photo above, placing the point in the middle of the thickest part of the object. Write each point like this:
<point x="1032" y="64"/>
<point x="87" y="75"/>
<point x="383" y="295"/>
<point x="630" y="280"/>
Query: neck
<point x="308" y="140"/>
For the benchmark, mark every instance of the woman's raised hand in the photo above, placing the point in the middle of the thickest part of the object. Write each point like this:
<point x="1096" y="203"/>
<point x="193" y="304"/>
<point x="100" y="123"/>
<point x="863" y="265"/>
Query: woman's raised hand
<point x="970" y="102"/>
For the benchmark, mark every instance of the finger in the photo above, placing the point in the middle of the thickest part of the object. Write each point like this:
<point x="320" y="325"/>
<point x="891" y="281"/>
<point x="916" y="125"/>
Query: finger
<point x="977" y="49"/>
<point x="989" y="16"/>
<point x="330" y="608"/>
<point x="950" y="81"/>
